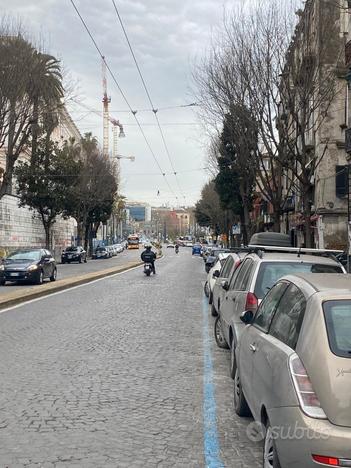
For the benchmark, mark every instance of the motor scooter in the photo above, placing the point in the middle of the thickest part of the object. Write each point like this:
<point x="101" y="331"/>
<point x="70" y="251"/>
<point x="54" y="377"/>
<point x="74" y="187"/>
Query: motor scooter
<point x="147" y="269"/>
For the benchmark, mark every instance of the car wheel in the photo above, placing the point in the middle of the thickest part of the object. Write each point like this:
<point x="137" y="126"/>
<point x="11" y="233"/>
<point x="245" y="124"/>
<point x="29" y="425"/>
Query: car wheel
<point x="63" y="262"/>
<point x="206" y="289"/>
<point x="270" y="455"/>
<point x="232" y="359"/>
<point x="80" y="259"/>
<point x="210" y="299"/>
<point x="213" y="311"/>
<point x="240" y="404"/>
<point x="85" y="259"/>
<point x="54" y="275"/>
<point x="40" y="277"/>
<point x="221" y="343"/>
<point x="2" y="282"/>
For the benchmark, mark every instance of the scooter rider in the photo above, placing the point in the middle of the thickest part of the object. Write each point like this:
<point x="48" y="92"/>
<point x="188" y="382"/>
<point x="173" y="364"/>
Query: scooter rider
<point x="177" y="248"/>
<point x="148" y="256"/>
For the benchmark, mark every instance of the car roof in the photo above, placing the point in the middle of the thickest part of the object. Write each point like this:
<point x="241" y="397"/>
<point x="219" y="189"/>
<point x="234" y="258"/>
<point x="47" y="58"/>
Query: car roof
<point x="322" y="282"/>
<point x="295" y="257"/>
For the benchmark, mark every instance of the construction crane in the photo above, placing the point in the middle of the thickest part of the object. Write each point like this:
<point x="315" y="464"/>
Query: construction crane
<point x="116" y="124"/>
<point x="105" y="115"/>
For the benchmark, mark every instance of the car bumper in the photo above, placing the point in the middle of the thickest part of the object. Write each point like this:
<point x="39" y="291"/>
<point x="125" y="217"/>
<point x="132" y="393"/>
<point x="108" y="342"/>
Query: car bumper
<point x="20" y="275"/>
<point x="298" y="437"/>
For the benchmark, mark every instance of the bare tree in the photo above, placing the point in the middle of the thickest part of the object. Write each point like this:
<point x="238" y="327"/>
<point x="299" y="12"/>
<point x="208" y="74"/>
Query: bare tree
<point x="243" y="72"/>
<point x="308" y="87"/>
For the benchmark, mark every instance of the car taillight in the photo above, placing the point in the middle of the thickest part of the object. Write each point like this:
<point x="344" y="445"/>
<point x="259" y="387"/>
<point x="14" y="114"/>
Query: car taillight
<point x="309" y="402"/>
<point x="331" y="461"/>
<point x="251" y="301"/>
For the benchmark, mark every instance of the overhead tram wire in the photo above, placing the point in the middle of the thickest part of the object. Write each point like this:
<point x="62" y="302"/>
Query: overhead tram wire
<point x="149" y="97"/>
<point x="124" y="98"/>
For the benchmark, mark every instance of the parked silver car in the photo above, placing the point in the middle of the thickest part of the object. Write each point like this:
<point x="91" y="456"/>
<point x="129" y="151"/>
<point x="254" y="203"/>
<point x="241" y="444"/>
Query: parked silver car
<point x="294" y="371"/>
<point x="253" y="279"/>
<point x="222" y="277"/>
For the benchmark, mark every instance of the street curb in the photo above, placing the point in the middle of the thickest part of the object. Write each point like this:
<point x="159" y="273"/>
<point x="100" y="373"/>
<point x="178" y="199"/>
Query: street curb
<point x="18" y="297"/>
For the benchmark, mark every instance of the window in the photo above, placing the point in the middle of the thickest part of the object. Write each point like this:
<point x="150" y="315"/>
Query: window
<point x="227" y="267"/>
<point x="337" y="316"/>
<point x="270" y="272"/>
<point x="267" y="307"/>
<point x="341" y="184"/>
<point x="287" y="321"/>
<point x="241" y="281"/>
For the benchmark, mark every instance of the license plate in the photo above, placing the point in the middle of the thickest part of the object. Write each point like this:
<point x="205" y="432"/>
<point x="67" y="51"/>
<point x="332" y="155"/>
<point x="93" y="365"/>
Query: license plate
<point x="14" y="274"/>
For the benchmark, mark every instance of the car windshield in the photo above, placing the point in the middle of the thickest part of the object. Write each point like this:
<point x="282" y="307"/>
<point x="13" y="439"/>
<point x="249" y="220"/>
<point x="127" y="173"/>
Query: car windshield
<point x="270" y="272"/>
<point x="24" y="255"/>
<point x="337" y="316"/>
<point x="71" y="249"/>
<point x="101" y="249"/>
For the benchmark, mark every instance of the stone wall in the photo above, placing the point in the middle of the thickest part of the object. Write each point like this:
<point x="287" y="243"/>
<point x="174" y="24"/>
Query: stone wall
<point x="21" y="227"/>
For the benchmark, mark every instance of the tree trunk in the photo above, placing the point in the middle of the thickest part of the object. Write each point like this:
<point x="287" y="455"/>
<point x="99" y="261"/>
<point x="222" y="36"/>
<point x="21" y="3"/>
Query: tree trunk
<point x="245" y="219"/>
<point x="276" y="218"/>
<point x="47" y="227"/>
<point x="86" y="236"/>
<point x="307" y="215"/>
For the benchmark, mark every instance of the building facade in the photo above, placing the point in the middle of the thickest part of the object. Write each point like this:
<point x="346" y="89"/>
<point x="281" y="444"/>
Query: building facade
<point x="324" y="136"/>
<point x="22" y="227"/>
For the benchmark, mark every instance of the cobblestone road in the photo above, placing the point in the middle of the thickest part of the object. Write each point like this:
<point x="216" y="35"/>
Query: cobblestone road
<point x="111" y="374"/>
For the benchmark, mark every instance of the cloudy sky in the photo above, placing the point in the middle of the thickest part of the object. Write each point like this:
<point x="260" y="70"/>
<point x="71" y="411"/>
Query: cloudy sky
<point x="167" y="37"/>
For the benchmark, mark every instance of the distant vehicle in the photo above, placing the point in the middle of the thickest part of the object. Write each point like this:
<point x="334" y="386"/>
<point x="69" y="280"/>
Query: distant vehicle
<point x="294" y="370"/>
<point x="74" y="254"/>
<point x="28" y="265"/>
<point x="197" y="249"/>
<point x="212" y="276"/>
<point x="133" y="241"/>
<point x="102" y="252"/>
<point x="113" y="250"/>
<point x="119" y="248"/>
<point x="188" y="244"/>
<point x="170" y="246"/>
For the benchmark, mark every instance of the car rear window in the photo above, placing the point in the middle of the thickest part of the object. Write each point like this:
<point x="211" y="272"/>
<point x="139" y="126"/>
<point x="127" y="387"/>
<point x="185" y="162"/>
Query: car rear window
<point x="338" y="321"/>
<point x="270" y="272"/>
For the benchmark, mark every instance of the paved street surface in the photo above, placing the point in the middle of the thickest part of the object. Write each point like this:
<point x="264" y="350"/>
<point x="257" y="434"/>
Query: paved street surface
<point x="75" y="269"/>
<point x="122" y="372"/>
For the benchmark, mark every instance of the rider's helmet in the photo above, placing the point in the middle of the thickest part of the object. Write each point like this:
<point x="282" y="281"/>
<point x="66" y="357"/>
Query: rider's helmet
<point x="148" y="246"/>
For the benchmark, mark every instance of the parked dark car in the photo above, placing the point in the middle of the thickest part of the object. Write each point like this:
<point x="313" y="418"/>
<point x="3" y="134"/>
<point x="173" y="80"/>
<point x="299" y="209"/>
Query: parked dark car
<point x="102" y="252"/>
<point x="74" y="254"/>
<point x="28" y="265"/>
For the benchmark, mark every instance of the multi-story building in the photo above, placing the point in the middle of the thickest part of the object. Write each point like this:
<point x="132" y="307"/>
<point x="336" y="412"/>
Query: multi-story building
<point x="319" y="44"/>
<point x="21" y="227"/>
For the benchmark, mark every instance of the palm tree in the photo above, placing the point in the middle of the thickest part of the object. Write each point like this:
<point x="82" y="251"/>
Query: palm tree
<point x="46" y="92"/>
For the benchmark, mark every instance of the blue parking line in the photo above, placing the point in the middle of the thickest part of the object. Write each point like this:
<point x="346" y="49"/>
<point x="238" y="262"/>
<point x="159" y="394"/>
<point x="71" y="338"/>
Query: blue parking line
<point x="211" y="442"/>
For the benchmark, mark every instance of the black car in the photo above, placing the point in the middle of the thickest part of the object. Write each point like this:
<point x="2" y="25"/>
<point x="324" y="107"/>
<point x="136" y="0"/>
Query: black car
<point x="74" y="254"/>
<point x="28" y="265"/>
<point x="102" y="252"/>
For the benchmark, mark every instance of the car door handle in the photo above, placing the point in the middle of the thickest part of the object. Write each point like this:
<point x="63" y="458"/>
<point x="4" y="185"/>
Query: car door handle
<point x="253" y="348"/>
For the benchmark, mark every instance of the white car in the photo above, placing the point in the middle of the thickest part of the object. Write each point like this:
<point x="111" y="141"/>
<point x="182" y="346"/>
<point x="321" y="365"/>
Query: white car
<point x="119" y="248"/>
<point x="213" y="275"/>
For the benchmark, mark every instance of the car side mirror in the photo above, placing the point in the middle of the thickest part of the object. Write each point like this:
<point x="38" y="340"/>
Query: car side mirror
<point x="247" y="317"/>
<point x="216" y="274"/>
<point x="225" y="285"/>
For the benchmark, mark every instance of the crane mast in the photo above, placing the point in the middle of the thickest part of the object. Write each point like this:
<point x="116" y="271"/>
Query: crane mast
<point x="106" y="100"/>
